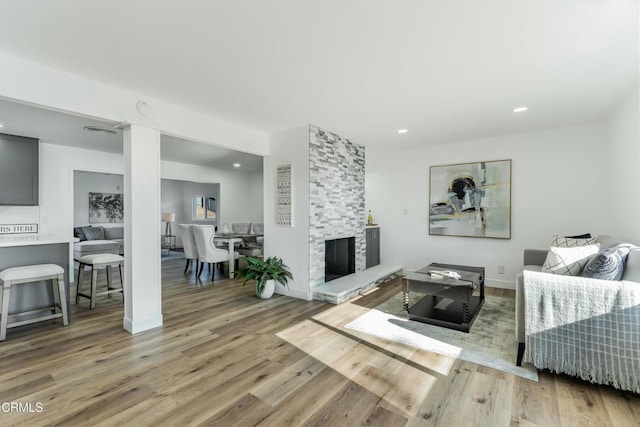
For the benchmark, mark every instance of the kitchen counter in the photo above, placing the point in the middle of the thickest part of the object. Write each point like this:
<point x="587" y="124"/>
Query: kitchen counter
<point x="9" y="240"/>
<point x="29" y="249"/>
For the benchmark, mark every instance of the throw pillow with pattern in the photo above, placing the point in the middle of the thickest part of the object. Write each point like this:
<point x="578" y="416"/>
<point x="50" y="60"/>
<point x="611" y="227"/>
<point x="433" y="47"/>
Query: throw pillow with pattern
<point x="571" y="242"/>
<point x="607" y="265"/>
<point x="94" y="233"/>
<point x="569" y="261"/>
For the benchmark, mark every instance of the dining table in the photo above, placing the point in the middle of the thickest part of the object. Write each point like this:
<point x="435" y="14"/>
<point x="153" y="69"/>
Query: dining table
<point x="231" y="239"/>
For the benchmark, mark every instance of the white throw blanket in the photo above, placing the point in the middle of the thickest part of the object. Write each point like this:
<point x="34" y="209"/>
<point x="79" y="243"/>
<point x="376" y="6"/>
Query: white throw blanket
<point x="584" y="327"/>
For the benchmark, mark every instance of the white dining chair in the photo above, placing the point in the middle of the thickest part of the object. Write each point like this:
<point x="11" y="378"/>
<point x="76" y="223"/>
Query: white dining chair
<point x="189" y="246"/>
<point x="207" y="251"/>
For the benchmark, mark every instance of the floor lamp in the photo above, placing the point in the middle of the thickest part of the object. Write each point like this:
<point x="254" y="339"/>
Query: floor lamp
<point x="168" y="218"/>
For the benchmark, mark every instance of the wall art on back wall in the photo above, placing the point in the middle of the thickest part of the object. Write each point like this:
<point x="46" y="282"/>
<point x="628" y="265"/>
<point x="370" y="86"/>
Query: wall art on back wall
<point x="471" y="199"/>
<point x="106" y="208"/>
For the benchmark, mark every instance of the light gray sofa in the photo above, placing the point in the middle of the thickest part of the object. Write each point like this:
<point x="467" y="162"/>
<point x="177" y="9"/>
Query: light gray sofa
<point x="112" y="242"/>
<point x="115" y="234"/>
<point x="92" y="247"/>
<point x="584" y="327"/>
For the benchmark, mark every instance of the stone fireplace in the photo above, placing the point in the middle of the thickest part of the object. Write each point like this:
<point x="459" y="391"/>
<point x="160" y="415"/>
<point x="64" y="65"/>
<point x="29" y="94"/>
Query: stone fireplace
<point x="336" y="201"/>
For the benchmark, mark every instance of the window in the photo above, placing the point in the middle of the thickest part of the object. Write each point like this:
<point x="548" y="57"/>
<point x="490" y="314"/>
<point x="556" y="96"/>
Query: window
<point x="204" y="208"/>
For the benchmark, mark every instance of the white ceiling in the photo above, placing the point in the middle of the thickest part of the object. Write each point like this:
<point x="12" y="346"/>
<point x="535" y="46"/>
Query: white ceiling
<point x="64" y="129"/>
<point x="445" y="70"/>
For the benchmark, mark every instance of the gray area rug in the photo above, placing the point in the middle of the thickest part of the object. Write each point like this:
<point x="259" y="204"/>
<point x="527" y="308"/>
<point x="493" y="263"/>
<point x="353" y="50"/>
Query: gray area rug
<point x="490" y="343"/>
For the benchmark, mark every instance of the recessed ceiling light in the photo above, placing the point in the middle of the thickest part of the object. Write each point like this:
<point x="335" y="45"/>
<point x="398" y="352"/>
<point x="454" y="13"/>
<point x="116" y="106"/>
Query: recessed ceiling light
<point x="0" y="126"/>
<point x="402" y="131"/>
<point x="520" y="109"/>
<point x="236" y="165"/>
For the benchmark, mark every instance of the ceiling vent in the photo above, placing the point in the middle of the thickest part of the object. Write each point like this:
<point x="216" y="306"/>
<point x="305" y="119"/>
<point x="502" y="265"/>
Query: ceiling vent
<point x="97" y="129"/>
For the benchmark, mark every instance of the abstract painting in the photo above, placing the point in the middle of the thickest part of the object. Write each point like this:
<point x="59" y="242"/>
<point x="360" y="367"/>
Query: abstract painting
<point x="106" y="208"/>
<point x="471" y="199"/>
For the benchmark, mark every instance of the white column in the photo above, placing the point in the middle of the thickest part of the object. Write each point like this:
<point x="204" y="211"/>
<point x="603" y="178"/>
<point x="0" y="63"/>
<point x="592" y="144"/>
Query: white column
<point x="142" y="295"/>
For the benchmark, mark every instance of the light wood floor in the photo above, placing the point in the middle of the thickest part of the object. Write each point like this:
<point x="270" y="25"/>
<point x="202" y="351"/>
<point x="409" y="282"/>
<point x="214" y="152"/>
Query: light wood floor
<point x="226" y="358"/>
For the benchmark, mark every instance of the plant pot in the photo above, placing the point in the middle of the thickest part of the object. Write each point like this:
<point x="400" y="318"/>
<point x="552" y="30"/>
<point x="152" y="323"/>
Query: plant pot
<point x="267" y="292"/>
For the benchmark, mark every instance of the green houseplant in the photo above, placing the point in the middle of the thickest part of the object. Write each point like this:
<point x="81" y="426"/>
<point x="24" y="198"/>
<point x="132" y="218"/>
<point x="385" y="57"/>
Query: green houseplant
<point x="262" y="271"/>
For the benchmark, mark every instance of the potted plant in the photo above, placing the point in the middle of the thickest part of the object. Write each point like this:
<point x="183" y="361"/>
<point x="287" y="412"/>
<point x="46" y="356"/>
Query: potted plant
<point x="266" y="273"/>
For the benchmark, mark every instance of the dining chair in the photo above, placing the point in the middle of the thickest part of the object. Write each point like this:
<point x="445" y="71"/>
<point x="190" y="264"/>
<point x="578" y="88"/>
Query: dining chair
<point x="207" y="251"/>
<point x="189" y="245"/>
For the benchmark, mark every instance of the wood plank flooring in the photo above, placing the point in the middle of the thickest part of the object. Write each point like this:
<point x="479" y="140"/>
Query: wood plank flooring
<point x="226" y="358"/>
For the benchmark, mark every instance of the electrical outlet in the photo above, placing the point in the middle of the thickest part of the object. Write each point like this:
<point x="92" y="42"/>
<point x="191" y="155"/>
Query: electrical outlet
<point x="501" y="269"/>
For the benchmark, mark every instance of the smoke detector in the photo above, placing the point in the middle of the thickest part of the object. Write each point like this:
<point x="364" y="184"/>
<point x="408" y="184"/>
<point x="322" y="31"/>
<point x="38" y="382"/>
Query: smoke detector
<point x="98" y="129"/>
<point x="143" y="108"/>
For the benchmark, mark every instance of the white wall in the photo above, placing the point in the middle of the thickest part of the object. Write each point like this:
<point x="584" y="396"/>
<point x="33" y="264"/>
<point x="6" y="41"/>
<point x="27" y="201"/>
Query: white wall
<point x="91" y="182"/>
<point x="171" y="200"/>
<point x="192" y="189"/>
<point x="234" y="204"/>
<point x="19" y="214"/>
<point x="289" y="243"/>
<point x="57" y="163"/>
<point x="177" y="197"/>
<point x="255" y="197"/>
<point x="624" y="150"/>
<point x="559" y="186"/>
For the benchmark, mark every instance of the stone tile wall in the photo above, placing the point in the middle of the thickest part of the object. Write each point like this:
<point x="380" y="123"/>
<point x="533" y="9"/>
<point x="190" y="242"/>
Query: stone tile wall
<point x="337" y="209"/>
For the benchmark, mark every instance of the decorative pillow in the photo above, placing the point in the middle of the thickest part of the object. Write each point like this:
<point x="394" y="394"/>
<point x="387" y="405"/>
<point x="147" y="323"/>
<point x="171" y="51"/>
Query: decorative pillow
<point x="568" y="261"/>
<point x="77" y="232"/>
<point x="84" y="232"/>
<point x="93" y="233"/>
<point x="570" y="242"/>
<point x="607" y="265"/>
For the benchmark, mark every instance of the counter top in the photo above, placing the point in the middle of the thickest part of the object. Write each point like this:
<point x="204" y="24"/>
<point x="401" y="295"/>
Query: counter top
<point x="11" y="240"/>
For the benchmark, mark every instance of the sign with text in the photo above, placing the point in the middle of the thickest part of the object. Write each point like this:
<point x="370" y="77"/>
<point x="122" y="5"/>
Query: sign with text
<point x="283" y="196"/>
<point x="18" y="228"/>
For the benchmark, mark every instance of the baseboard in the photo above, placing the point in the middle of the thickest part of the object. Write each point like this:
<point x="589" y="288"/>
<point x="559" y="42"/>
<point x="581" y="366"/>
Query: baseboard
<point x="502" y="284"/>
<point x="137" y="326"/>
<point x="294" y="293"/>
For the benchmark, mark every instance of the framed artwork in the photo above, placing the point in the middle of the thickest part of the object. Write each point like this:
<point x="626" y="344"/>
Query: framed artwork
<point x="471" y="199"/>
<point x="283" y="196"/>
<point x="106" y="208"/>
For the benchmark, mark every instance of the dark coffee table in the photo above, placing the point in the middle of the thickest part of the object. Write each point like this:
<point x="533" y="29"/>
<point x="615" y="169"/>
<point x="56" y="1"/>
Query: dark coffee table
<point x="449" y="303"/>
